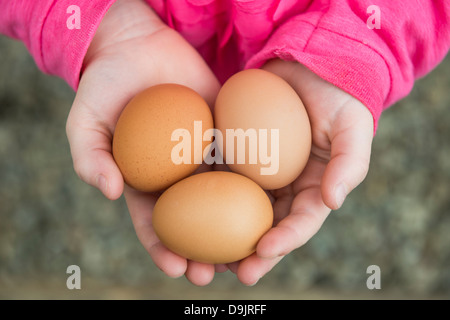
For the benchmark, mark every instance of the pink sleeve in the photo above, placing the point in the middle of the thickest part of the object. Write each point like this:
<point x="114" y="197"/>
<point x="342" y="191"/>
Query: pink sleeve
<point x="378" y="66"/>
<point x="50" y="31"/>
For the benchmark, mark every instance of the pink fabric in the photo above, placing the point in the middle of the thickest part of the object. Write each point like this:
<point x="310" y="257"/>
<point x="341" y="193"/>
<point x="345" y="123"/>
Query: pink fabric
<point x="331" y="37"/>
<point x="42" y="27"/>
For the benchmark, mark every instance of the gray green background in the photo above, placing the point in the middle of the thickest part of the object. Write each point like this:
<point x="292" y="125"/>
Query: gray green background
<point x="398" y="218"/>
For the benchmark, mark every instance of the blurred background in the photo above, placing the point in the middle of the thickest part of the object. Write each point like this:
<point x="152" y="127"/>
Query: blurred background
<point x="397" y="219"/>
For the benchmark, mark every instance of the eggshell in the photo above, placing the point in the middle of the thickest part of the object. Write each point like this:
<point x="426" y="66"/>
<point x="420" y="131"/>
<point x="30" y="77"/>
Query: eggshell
<point x="143" y="143"/>
<point x="213" y="217"/>
<point x="259" y="101"/>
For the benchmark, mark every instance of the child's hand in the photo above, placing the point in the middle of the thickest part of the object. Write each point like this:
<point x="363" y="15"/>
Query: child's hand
<point x="342" y="133"/>
<point x="131" y="51"/>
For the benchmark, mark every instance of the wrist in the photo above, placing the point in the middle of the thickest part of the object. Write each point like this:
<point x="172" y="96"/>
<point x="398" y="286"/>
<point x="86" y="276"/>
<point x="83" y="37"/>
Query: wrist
<point x="125" y="20"/>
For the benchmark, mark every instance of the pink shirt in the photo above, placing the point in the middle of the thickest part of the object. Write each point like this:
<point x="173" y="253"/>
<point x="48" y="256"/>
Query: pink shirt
<point x="334" y="38"/>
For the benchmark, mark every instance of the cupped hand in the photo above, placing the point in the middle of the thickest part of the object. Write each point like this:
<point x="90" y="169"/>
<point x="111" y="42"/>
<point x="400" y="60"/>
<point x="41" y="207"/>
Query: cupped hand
<point x="132" y="50"/>
<point x="342" y="133"/>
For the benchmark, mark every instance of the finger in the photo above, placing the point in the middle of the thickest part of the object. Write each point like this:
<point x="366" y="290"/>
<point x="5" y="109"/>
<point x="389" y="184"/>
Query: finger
<point x="141" y="205"/>
<point x="219" y="268"/>
<point x="281" y="200"/>
<point x="307" y="214"/>
<point x="233" y="266"/>
<point x="168" y="262"/>
<point x="90" y="147"/>
<point x="199" y="273"/>
<point x="351" y="142"/>
<point x="253" y="268"/>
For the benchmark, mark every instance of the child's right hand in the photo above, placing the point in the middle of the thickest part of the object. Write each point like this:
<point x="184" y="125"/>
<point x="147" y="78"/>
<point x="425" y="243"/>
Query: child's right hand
<point x="132" y="50"/>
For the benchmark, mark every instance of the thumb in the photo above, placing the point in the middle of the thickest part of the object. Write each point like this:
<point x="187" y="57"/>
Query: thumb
<point x="351" y="141"/>
<point x="90" y="147"/>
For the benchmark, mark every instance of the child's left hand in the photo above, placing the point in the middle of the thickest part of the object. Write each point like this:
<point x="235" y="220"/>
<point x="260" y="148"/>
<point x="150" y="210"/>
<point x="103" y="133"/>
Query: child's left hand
<point x="342" y="133"/>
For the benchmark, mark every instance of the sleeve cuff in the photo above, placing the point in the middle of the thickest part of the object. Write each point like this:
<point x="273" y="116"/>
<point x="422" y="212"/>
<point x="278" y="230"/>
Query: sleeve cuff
<point x="62" y="49"/>
<point x="349" y="64"/>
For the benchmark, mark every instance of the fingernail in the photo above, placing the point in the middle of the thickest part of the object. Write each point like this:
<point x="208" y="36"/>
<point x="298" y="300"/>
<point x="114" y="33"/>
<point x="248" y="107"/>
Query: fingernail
<point x="102" y="184"/>
<point x="341" y="194"/>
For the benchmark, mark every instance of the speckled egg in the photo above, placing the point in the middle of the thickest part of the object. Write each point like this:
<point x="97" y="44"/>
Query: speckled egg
<point x="213" y="217"/>
<point x="153" y="143"/>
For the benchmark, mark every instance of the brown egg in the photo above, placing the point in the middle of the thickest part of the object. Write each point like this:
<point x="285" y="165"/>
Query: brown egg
<point x="154" y="143"/>
<point x="265" y="130"/>
<point x="213" y="217"/>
